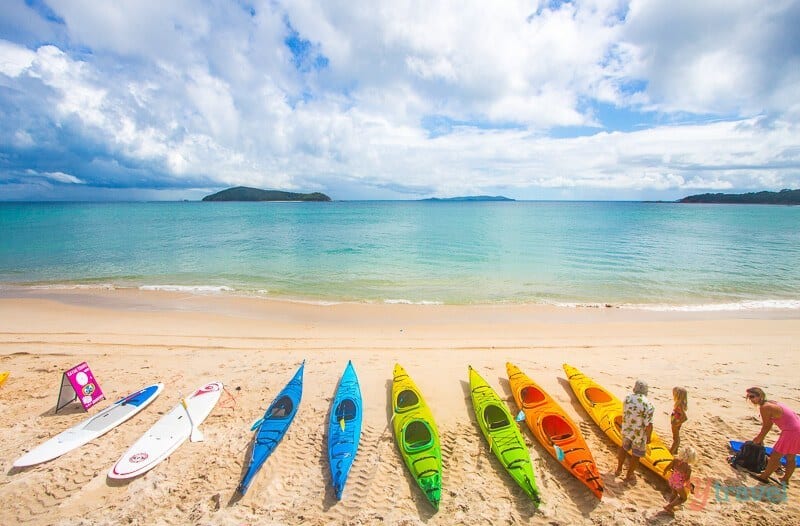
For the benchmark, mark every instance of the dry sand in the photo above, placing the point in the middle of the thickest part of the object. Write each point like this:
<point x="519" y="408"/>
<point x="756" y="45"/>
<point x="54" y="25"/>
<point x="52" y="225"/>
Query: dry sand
<point x="131" y="339"/>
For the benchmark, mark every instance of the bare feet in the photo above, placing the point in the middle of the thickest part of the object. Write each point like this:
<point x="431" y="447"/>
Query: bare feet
<point x="618" y="472"/>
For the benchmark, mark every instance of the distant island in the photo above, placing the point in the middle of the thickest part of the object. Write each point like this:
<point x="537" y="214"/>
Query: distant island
<point x="784" y="197"/>
<point x="470" y="198"/>
<point x="244" y="193"/>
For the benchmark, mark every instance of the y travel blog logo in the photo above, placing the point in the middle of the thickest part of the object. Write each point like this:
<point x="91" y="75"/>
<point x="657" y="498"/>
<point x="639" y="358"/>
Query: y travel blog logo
<point x="738" y="493"/>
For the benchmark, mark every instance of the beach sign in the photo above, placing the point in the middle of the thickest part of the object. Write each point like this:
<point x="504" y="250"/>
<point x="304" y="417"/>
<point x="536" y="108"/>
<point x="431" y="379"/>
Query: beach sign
<point x="79" y="383"/>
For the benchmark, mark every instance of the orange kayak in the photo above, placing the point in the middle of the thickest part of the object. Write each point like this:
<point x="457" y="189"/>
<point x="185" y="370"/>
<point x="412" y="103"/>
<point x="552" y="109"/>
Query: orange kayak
<point x="554" y="429"/>
<point x="606" y="411"/>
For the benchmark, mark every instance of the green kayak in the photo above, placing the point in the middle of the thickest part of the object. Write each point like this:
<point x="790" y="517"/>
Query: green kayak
<point x="500" y="429"/>
<point x="416" y="435"/>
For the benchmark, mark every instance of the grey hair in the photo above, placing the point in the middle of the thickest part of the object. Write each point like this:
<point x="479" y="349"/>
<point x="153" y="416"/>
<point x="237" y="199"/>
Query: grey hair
<point x="640" y="387"/>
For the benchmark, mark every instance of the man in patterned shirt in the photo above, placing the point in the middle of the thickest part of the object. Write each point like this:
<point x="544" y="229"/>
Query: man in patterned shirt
<point x="637" y="426"/>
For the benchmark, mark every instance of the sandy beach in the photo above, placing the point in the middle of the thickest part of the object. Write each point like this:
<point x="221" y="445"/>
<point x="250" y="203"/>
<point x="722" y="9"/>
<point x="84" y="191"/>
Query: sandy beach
<point x="134" y="338"/>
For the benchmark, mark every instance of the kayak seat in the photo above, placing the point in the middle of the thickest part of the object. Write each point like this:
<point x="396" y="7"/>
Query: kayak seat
<point x="597" y="396"/>
<point x="406" y="399"/>
<point x="416" y="436"/>
<point x="494" y="417"/>
<point x="346" y="410"/>
<point x="531" y="395"/>
<point x="282" y="407"/>
<point x="556" y="428"/>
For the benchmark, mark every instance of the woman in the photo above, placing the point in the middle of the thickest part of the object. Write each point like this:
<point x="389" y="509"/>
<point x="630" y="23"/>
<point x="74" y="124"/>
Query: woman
<point x="788" y="444"/>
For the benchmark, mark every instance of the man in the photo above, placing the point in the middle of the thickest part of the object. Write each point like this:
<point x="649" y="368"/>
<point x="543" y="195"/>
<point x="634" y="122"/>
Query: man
<point x="637" y="426"/>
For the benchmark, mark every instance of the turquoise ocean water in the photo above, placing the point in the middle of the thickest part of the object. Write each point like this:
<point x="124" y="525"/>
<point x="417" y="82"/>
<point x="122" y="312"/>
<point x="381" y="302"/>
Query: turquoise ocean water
<point x="642" y="255"/>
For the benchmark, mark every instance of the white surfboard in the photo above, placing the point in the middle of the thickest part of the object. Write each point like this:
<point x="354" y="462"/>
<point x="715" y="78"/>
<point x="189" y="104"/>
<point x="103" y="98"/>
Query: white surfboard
<point x="167" y="434"/>
<point x="91" y="428"/>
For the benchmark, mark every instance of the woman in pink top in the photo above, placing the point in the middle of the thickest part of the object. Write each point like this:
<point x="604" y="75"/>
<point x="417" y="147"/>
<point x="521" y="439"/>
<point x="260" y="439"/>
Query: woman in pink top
<point x="788" y="444"/>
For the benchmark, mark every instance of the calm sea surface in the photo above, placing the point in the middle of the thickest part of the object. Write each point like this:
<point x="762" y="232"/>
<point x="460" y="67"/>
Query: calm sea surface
<point x="647" y="255"/>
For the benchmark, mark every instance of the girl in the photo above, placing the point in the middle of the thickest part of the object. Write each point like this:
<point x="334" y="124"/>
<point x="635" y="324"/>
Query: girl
<point x="679" y="481"/>
<point x="678" y="416"/>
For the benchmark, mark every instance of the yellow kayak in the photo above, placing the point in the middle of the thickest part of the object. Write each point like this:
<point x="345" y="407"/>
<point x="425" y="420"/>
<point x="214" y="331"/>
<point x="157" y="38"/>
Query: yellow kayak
<point x="606" y="410"/>
<point x="3" y="377"/>
<point x="416" y="435"/>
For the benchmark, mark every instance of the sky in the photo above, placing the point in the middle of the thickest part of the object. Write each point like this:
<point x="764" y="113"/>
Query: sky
<point x="597" y="99"/>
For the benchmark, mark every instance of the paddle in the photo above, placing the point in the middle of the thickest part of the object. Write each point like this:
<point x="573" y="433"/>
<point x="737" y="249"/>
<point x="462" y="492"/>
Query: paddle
<point x="256" y="424"/>
<point x="196" y="435"/>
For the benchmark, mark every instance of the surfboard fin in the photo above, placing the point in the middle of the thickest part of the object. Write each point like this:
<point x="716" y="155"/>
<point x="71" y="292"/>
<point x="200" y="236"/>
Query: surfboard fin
<point x="196" y="435"/>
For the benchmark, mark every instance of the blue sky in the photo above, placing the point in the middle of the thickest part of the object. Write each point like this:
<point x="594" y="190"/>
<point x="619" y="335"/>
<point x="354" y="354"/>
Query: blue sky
<point x="603" y="99"/>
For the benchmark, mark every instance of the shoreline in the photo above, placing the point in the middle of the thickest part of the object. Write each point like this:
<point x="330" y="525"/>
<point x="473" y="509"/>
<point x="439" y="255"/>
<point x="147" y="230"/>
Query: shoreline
<point x="68" y="292"/>
<point x="132" y="338"/>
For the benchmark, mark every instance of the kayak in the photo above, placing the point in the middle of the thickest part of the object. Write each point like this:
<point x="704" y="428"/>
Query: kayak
<point x="606" y="411"/>
<point x="3" y="377"/>
<point x="416" y="435"/>
<point x="500" y="429"/>
<point x="271" y="428"/>
<point x="554" y="429"/>
<point x="91" y="428"/>
<point x="344" y="428"/>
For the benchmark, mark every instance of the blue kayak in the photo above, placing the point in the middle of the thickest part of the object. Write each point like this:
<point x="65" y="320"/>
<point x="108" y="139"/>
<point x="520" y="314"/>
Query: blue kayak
<point x="344" y="428"/>
<point x="271" y="428"/>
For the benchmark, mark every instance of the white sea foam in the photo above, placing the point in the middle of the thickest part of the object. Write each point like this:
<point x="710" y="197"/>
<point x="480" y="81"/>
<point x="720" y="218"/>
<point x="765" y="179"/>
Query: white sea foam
<point x="74" y="286"/>
<point x="575" y="305"/>
<point x="409" y="302"/>
<point x="698" y="307"/>
<point x="195" y="289"/>
<point x="720" y="307"/>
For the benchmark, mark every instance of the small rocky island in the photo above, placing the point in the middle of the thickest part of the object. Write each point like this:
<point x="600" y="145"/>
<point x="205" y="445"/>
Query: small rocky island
<point x="784" y="197"/>
<point x="470" y="198"/>
<point x="244" y="193"/>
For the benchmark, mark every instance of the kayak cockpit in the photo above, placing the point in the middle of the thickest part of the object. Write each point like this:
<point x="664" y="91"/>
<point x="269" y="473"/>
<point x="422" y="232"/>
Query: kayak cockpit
<point x="406" y="399"/>
<point x="282" y="407"/>
<point x="417" y="436"/>
<point x="597" y="396"/>
<point x="346" y="410"/>
<point x="495" y="417"/>
<point x="531" y="396"/>
<point x="556" y="428"/>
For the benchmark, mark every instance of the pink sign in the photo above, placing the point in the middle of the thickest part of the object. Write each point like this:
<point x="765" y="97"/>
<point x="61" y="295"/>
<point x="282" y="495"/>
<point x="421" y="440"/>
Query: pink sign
<point x="83" y="385"/>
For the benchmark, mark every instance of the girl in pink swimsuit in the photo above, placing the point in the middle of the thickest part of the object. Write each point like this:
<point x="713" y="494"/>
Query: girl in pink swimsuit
<point x="788" y="444"/>
<point x="679" y="480"/>
<point x="678" y="416"/>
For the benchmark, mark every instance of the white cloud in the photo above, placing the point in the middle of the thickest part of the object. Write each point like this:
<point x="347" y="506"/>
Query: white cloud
<point x="22" y="139"/>
<point x="717" y="56"/>
<point x="14" y="59"/>
<point x="209" y="91"/>
<point x="60" y="177"/>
